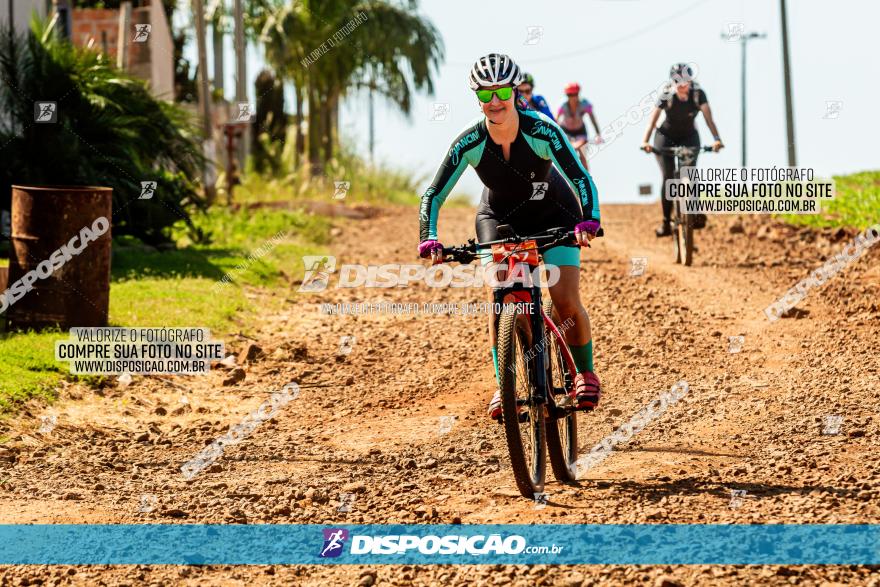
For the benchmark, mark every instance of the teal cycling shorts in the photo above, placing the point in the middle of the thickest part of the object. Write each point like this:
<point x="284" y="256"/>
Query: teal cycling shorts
<point x="562" y="256"/>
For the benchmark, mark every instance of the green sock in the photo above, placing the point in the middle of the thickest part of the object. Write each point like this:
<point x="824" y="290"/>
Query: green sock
<point x="495" y="362"/>
<point x="583" y="356"/>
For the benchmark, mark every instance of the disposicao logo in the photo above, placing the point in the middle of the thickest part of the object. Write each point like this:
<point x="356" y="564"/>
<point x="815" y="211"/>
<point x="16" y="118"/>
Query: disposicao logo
<point x="334" y="540"/>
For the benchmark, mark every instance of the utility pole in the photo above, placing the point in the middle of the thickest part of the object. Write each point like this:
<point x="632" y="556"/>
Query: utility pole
<point x="122" y="35"/>
<point x="786" y="71"/>
<point x="241" y="79"/>
<point x="372" y="127"/>
<point x="744" y="38"/>
<point x="204" y="99"/>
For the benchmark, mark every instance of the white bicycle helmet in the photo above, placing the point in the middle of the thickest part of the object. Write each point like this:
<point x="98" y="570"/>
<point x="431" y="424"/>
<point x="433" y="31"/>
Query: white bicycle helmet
<point x="494" y="69"/>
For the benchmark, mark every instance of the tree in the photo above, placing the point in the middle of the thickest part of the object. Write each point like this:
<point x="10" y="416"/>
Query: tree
<point x="109" y="131"/>
<point x="270" y="121"/>
<point x="329" y="48"/>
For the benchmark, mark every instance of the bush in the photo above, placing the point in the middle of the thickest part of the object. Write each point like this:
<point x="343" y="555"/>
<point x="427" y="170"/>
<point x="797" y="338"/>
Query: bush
<point x="855" y="205"/>
<point x="110" y="131"/>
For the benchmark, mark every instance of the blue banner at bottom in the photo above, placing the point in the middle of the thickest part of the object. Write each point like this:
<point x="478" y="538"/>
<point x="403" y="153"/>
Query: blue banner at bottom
<point x="607" y="544"/>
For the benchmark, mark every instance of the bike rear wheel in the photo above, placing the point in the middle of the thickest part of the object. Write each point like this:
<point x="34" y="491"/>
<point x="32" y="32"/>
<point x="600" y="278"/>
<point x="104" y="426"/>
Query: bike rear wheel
<point x="562" y="444"/>
<point x="523" y="418"/>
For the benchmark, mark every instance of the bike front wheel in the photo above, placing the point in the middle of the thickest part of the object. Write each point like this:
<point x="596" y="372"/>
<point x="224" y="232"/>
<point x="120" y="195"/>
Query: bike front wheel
<point x="683" y="236"/>
<point x="523" y="417"/>
<point x="561" y="429"/>
<point x="687" y="239"/>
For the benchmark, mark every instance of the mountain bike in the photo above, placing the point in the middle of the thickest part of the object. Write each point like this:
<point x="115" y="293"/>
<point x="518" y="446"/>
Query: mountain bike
<point x="682" y="224"/>
<point x="534" y="363"/>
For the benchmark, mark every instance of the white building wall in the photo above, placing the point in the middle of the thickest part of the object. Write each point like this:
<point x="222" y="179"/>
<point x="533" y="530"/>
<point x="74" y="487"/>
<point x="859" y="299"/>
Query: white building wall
<point x="22" y="10"/>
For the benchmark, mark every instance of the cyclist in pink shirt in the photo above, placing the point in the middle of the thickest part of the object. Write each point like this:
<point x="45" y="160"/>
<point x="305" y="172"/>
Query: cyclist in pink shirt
<point x="570" y="117"/>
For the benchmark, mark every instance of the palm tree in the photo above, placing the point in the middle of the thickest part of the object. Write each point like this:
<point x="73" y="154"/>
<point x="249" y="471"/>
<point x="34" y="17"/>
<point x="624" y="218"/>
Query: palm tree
<point x="387" y="46"/>
<point x="110" y="131"/>
<point x="281" y="27"/>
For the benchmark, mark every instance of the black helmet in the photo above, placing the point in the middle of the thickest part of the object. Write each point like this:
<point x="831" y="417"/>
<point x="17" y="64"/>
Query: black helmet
<point x="527" y="78"/>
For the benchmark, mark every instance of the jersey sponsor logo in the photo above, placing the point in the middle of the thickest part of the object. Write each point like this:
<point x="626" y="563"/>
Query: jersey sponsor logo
<point x="581" y="186"/>
<point x="541" y="129"/>
<point x="455" y="151"/>
<point x="426" y="204"/>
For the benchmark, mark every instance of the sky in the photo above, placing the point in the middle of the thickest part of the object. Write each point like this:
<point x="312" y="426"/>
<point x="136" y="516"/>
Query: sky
<point x="621" y="50"/>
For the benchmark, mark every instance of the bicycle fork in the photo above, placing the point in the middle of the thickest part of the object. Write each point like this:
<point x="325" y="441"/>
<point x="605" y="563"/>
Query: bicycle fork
<point x="536" y="355"/>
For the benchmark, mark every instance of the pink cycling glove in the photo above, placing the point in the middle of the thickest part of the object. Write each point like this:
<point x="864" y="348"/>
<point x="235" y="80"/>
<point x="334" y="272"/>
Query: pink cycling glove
<point x="588" y="226"/>
<point x="427" y="247"/>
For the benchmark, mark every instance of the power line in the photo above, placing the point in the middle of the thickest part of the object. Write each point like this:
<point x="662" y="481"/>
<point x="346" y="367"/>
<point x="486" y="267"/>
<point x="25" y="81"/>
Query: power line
<point x="586" y="50"/>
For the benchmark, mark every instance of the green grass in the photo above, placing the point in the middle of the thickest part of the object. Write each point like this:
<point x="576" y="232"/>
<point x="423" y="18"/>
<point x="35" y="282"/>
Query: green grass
<point x="173" y="302"/>
<point x="176" y="288"/>
<point x="366" y="186"/>
<point x="29" y="369"/>
<point x="459" y="200"/>
<point x="379" y="184"/>
<point x="365" y="190"/>
<point x="856" y="204"/>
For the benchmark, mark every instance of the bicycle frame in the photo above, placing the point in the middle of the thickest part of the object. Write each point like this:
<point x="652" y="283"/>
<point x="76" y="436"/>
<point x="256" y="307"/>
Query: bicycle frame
<point x="540" y="323"/>
<point x="682" y="159"/>
<point x="566" y="355"/>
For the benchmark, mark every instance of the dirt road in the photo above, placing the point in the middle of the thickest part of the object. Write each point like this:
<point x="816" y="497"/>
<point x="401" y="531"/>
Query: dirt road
<point x="398" y="423"/>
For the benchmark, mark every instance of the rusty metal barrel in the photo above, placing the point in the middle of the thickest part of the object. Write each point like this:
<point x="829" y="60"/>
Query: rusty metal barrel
<point x="59" y="266"/>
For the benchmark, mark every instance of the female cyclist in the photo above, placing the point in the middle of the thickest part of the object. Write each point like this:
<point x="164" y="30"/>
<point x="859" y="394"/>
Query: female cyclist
<point x="514" y="152"/>
<point x="571" y="118"/>
<point x="681" y="100"/>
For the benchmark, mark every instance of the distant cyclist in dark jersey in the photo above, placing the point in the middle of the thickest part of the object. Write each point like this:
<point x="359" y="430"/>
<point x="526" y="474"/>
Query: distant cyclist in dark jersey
<point x="534" y="101"/>
<point x="514" y="153"/>
<point x="681" y="101"/>
<point x="570" y="117"/>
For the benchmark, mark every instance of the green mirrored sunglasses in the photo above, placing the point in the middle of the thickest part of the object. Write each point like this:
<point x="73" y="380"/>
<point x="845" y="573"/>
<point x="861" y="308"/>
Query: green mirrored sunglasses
<point x="485" y="96"/>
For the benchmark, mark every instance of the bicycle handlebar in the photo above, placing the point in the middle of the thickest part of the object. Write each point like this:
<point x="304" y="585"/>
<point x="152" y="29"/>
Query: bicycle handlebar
<point x="556" y="237"/>
<point x="678" y="149"/>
